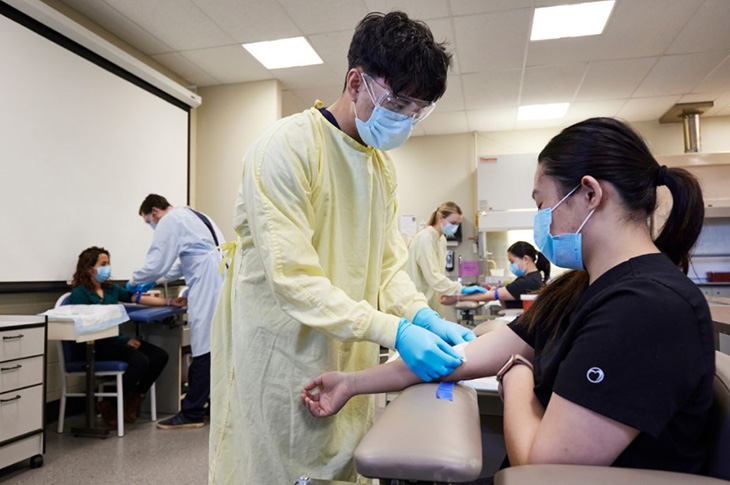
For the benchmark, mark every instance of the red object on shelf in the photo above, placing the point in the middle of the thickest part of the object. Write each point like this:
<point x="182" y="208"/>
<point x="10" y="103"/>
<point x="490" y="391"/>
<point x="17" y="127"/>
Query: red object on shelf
<point x="718" y="277"/>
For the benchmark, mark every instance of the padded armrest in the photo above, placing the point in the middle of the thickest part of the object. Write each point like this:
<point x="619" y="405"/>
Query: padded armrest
<point x="468" y="305"/>
<point x="489" y="326"/>
<point x="595" y="475"/>
<point x="421" y="437"/>
<point x="153" y="313"/>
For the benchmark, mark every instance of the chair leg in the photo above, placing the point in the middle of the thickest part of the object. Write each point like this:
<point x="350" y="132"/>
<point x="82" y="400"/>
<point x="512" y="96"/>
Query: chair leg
<point x="62" y="410"/>
<point x="153" y="403"/>
<point x="120" y="406"/>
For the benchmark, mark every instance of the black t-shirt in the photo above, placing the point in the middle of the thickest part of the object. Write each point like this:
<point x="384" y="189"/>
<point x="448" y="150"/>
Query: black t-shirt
<point x="523" y="284"/>
<point x="639" y="349"/>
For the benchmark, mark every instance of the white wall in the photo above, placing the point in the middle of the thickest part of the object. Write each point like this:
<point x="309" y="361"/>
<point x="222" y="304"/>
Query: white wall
<point x="231" y="117"/>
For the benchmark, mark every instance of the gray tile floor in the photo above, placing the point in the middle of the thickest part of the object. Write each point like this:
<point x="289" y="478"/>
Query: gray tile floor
<point x="145" y="455"/>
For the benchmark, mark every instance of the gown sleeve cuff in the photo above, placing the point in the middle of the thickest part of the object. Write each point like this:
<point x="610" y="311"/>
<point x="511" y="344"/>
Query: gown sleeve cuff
<point x="383" y="329"/>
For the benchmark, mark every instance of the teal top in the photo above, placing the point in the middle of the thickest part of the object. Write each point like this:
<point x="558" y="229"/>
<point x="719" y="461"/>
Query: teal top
<point x="81" y="295"/>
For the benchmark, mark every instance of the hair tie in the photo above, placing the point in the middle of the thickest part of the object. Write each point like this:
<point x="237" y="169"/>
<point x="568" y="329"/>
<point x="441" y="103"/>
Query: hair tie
<point x="661" y="176"/>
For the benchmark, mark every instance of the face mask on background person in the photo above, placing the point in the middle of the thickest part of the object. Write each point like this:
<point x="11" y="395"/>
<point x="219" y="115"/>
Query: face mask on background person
<point x="449" y="229"/>
<point x="564" y="250"/>
<point x="103" y="273"/>
<point x="516" y="270"/>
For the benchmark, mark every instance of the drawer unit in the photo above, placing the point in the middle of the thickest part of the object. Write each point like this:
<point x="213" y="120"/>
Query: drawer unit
<point x="22" y="388"/>
<point x="16" y="374"/>
<point x="20" y="343"/>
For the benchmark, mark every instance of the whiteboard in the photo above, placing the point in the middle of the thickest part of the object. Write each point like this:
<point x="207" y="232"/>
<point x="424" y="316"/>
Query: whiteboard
<point x="80" y="149"/>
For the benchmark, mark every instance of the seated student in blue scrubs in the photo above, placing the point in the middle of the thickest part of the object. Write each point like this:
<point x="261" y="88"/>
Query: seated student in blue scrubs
<point x="145" y="361"/>
<point x="613" y="363"/>
<point x="530" y="266"/>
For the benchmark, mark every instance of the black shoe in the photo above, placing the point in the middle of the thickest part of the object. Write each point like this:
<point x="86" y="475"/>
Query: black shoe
<point x="180" y="422"/>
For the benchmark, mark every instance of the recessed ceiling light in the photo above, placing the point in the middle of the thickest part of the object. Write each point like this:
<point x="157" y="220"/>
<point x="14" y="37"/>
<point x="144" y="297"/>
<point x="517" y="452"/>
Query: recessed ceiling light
<point x="570" y="20"/>
<point x="278" y="54"/>
<point x="542" y="111"/>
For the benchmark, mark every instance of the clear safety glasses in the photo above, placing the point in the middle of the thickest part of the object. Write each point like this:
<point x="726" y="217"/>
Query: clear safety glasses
<point x="415" y="108"/>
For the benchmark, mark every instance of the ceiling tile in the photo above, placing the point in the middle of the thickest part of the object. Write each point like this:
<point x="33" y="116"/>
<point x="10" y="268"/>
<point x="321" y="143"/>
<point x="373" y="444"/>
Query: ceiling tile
<point x="561" y="51"/>
<point x="492" y="42"/>
<point x="614" y="79"/>
<point x="229" y="64"/>
<point x="418" y="131"/>
<point x="717" y="80"/>
<point x="453" y="98"/>
<point x="186" y="69"/>
<point x="416" y="9"/>
<point x="307" y="77"/>
<point x="558" y="124"/>
<point x="250" y="20"/>
<point x="318" y="16"/>
<point x="119" y="25"/>
<point x="332" y="47"/>
<point x="592" y="109"/>
<point x="178" y="23"/>
<point x="551" y="84"/>
<point x="643" y="29"/>
<point x="679" y="74"/>
<point x="473" y="7"/>
<point x="495" y="89"/>
<point x="445" y="123"/>
<point x="492" y="119"/>
<point x="707" y="30"/>
<point x="647" y="109"/>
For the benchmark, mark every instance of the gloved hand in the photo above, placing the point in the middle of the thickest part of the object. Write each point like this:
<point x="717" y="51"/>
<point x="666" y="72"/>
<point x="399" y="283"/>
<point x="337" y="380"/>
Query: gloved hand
<point x="425" y="353"/>
<point x="470" y="290"/>
<point x="451" y="332"/>
<point x="130" y="287"/>
<point x="145" y="287"/>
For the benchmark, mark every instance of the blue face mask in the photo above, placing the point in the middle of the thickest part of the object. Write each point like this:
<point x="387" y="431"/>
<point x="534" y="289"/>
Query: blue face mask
<point x="152" y="225"/>
<point x="515" y="268"/>
<point x="103" y="273"/>
<point x="449" y="229"/>
<point x="564" y="250"/>
<point x="384" y="129"/>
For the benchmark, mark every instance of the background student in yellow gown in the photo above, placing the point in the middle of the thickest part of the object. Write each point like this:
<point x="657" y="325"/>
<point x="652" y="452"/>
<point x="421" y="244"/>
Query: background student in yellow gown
<point x="317" y="280"/>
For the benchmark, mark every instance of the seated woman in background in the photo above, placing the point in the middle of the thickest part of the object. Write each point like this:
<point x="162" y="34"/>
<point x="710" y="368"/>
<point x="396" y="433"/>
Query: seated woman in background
<point x="612" y="365"/>
<point x="145" y="361"/>
<point x="527" y="264"/>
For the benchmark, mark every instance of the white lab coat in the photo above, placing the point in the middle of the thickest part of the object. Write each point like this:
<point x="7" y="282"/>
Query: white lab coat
<point x="181" y="235"/>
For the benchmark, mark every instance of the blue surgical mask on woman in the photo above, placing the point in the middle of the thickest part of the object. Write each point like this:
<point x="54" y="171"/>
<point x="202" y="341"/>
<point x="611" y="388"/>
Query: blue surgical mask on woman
<point x="384" y="129"/>
<point x="103" y="273"/>
<point x="564" y="250"/>
<point x="449" y="229"/>
<point x="516" y="270"/>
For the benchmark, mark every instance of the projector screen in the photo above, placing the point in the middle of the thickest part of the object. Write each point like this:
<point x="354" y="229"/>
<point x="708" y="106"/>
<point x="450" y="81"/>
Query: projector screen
<point x="81" y="148"/>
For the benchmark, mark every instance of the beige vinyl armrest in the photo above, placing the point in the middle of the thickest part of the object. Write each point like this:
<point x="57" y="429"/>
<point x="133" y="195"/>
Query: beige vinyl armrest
<point x="421" y="437"/>
<point x="595" y="475"/>
<point x="468" y="305"/>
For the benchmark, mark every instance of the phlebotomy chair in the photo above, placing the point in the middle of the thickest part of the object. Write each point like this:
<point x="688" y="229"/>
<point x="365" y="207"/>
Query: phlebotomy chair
<point x="718" y="439"/>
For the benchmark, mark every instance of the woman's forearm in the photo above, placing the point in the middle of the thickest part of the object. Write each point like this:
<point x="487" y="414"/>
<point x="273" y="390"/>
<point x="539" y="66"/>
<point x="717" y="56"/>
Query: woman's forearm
<point x="152" y="300"/>
<point x="389" y="377"/>
<point x="522" y="414"/>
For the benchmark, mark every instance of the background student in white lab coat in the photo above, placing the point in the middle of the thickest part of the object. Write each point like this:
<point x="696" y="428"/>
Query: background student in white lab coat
<point x="192" y="238"/>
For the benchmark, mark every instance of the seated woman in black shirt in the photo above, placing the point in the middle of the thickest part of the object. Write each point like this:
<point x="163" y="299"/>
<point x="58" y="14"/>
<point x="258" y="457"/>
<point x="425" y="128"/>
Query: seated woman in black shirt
<point x="623" y="351"/>
<point x="145" y="361"/>
<point x="527" y="264"/>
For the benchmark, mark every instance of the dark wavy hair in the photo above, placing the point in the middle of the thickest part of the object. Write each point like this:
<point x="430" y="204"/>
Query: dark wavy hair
<point x="610" y="150"/>
<point x="402" y="51"/>
<point x="87" y="260"/>
<point x="523" y="248"/>
<point x="152" y="201"/>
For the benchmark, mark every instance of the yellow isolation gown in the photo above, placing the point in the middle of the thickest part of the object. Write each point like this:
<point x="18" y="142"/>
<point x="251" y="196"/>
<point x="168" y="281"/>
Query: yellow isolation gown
<point x="316" y="283"/>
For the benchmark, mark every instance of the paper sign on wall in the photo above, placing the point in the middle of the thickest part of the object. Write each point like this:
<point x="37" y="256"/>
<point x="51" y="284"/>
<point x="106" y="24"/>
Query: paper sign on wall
<point x="408" y="224"/>
<point x="469" y="268"/>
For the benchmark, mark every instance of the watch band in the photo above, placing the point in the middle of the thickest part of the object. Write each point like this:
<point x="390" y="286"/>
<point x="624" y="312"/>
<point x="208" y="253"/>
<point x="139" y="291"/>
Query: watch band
<point x="514" y="360"/>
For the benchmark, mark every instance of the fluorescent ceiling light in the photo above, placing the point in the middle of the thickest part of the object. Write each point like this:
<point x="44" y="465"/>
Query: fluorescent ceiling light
<point x="278" y="54"/>
<point x="542" y="111"/>
<point x="570" y="20"/>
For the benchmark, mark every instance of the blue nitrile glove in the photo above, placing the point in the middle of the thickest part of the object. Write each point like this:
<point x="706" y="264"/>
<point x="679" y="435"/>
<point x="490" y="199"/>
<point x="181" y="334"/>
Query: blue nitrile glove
<point x="144" y="287"/>
<point x="470" y="290"/>
<point x="130" y="287"/>
<point x="451" y="332"/>
<point x="424" y="352"/>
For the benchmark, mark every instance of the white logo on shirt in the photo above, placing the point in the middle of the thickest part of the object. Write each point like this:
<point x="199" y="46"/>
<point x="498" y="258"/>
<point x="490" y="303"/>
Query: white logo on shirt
<point x="595" y="375"/>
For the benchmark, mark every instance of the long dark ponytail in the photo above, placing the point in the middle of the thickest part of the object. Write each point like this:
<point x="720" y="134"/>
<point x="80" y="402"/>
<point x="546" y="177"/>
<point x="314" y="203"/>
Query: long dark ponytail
<point x="523" y="248"/>
<point x="611" y="151"/>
